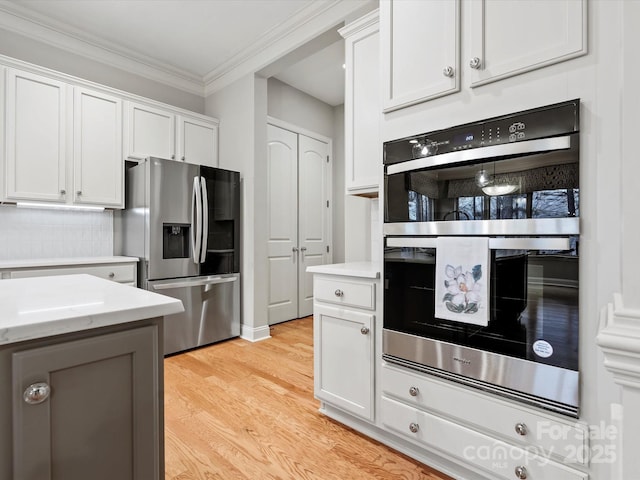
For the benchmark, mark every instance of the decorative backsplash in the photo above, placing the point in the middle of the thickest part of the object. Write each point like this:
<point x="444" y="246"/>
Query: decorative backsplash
<point x="39" y="233"/>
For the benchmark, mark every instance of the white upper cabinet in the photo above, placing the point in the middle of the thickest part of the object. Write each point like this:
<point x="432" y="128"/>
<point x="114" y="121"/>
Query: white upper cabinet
<point x="156" y="132"/>
<point x="64" y="143"/>
<point x="97" y="149"/>
<point x="508" y="38"/>
<point x="420" y="50"/>
<point x="36" y="137"/>
<point x="421" y="42"/>
<point x="198" y="141"/>
<point x="149" y="132"/>
<point x="363" y="154"/>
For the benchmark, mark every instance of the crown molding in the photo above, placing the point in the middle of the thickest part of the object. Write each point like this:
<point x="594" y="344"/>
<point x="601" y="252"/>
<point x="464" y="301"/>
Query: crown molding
<point x="307" y="24"/>
<point x="17" y="19"/>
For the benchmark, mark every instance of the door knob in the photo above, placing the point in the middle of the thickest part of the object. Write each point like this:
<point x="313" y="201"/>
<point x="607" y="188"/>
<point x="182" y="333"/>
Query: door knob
<point x="294" y="249"/>
<point x="414" y="427"/>
<point x="303" y="249"/>
<point x="475" y="63"/>
<point x="36" y="393"/>
<point x="521" y="429"/>
<point x="521" y="473"/>
<point x="364" y="330"/>
<point x="413" y="391"/>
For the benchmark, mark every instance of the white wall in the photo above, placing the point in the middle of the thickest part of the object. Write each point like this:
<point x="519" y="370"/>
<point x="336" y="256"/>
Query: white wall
<point x="39" y="233"/>
<point x="338" y="196"/>
<point x="29" y="50"/>
<point x="242" y="110"/>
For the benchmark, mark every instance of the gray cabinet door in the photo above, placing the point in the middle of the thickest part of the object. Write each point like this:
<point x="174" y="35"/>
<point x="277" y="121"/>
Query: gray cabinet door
<point x="103" y="417"/>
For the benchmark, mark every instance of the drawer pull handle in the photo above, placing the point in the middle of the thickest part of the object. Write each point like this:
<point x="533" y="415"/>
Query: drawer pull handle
<point x="414" y="427"/>
<point x="364" y="330"/>
<point x="521" y="429"/>
<point x="339" y="293"/>
<point x="413" y="391"/>
<point x="36" y="393"/>
<point x="521" y="472"/>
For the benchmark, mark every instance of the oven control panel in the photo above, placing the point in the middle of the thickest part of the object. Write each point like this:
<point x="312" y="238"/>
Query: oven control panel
<point x="542" y="122"/>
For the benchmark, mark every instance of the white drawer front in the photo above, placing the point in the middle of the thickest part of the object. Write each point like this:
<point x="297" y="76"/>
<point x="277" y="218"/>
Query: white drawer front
<point x="565" y="441"/>
<point x="123" y="273"/>
<point x="497" y="458"/>
<point x="344" y="292"/>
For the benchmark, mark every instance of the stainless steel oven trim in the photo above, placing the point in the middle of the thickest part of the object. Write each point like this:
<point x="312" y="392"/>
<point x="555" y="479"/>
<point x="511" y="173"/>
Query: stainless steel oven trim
<point x="508" y="227"/>
<point x="517" y="243"/>
<point x="492" y="151"/>
<point x="546" y="386"/>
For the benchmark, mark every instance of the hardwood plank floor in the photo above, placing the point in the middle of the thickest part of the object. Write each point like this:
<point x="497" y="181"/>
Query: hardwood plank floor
<point x="242" y="410"/>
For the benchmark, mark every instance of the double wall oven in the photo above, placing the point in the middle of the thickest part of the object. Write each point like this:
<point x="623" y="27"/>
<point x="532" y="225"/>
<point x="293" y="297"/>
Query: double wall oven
<point x="515" y="180"/>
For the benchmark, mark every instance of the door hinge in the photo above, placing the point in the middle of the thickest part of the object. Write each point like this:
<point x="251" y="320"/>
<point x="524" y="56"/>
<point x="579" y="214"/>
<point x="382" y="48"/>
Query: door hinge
<point x="327" y="158"/>
<point x="327" y="248"/>
<point x="327" y="203"/>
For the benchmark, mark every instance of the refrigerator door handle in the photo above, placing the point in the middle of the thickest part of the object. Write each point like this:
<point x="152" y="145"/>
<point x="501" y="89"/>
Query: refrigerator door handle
<point x="196" y="220"/>
<point x="205" y="219"/>
<point x="195" y="283"/>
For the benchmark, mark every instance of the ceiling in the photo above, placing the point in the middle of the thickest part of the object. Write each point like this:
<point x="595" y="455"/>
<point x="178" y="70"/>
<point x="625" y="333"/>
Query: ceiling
<point x="196" y="41"/>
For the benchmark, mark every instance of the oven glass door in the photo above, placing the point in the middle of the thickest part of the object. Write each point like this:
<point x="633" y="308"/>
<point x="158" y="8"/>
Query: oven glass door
<point x="533" y="303"/>
<point x="535" y="186"/>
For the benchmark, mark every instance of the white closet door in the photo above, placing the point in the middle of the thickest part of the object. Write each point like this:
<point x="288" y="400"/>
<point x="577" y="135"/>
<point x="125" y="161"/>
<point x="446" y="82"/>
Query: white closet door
<point x="313" y="177"/>
<point x="282" y="221"/>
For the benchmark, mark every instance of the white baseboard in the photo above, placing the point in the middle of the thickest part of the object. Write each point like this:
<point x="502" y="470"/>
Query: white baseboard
<point x="255" y="334"/>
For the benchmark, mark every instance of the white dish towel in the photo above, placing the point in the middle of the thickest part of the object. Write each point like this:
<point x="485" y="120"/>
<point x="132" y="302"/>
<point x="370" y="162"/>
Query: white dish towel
<point x="462" y="279"/>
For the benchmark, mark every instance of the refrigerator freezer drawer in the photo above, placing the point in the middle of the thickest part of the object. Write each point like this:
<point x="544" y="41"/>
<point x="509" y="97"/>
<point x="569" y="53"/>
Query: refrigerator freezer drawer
<point x="211" y="310"/>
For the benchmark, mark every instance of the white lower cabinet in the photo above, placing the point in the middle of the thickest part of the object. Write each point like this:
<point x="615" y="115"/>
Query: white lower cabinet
<point x="344" y="366"/>
<point x="498" y="459"/>
<point x="121" y="271"/>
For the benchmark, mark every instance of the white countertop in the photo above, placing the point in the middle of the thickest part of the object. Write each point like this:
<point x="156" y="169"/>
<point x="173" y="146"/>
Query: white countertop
<point x="351" y="269"/>
<point x="43" y="306"/>
<point x="58" y="262"/>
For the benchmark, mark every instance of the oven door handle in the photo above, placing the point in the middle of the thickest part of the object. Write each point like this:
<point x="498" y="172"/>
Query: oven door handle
<point x="536" y="243"/>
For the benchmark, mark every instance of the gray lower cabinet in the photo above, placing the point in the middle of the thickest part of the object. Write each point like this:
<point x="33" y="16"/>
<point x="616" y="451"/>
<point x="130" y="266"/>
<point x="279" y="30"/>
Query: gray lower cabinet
<point x="84" y="406"/>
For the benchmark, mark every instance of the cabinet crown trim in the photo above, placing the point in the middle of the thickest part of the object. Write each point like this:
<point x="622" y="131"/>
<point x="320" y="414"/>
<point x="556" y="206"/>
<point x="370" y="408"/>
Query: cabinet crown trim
<point x="360" y="24"/>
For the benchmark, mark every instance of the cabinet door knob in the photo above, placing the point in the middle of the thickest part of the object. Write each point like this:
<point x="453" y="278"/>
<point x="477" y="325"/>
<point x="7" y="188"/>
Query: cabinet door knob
<point x="173" y="157"/>
<point x="63" y="192"/>
<point x="413" y="391"/>
<point x="448" y="71"/>
<point x="475" y="63"/>
<point x="414" y="427"/>
<point x="36" y="393"/>
<point x="183" y="158"/>
<point x="521" y="472"/>
<point x="364" y="330"/>
<point x="338" y="293"/>
<point x="294" y="249"/>
<point x="111" y="274"/>
<point x="521" y="429"/>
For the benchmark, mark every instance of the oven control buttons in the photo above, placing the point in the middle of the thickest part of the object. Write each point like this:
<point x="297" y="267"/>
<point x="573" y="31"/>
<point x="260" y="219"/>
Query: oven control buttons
<point x="521" y="472"/>
<point x="414" y="427"/>
<point x="521" y="429"/>
<point x="413" y="391"/>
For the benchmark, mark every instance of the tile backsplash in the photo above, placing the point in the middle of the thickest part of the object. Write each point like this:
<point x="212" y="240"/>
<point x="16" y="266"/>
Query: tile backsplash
<point x="39" y="233"/>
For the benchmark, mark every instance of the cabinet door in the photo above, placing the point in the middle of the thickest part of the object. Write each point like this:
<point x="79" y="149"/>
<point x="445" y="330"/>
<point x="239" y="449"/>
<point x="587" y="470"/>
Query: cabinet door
<point x="103" y="418"/>
<point x="508" y="38"/>
<point x="420" y="50"/>
<point x="344" y="360"/>
<point x="198" y="141"/>
<point x="150" y="132"/>
<point x="98" y="166"/>
<point x="36" y="128"/>
<point x="362" y="108"/>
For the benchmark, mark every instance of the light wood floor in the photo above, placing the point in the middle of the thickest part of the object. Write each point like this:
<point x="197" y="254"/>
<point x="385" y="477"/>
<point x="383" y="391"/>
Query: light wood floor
<point x="241" y="410"/>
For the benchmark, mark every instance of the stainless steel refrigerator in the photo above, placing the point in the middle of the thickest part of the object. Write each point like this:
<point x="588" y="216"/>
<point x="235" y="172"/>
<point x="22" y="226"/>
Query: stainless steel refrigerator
<point x="183" y="222"/>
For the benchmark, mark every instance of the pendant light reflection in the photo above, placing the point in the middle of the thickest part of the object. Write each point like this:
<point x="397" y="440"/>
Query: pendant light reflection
<point x="487" y="183"/>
